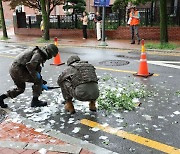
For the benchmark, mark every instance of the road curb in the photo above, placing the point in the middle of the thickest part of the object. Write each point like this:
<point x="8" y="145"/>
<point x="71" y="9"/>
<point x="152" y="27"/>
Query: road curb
<point x="100" y="47"/>
<point x="63" y="137"/>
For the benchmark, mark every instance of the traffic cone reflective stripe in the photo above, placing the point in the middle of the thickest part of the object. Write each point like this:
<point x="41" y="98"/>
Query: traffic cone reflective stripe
<point x="57" y="59"/>
<point x="143" y="66"/>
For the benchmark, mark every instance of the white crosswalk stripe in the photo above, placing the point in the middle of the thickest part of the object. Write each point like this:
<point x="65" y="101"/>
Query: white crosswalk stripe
<point x="172" y="64"/>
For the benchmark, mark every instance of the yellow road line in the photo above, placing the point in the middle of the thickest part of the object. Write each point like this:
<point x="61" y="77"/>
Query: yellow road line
<point x="117" y="70"/>
<point x="100" y="68"/>
<point x="132" y="137"/>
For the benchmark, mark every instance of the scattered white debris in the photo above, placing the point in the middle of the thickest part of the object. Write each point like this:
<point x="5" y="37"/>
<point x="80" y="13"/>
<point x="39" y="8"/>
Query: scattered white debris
<point x="76" y="130"/>
<point x="139" y="130"/>
<point x="95" y="129"/>
<point x="119" y="120"/>
<point x="103" y="137"/>
<point x="147" y="117"/>
<point x="161" y="117"/>
<point x="105" y="125"/>
<point x="155" y="126"/>
<point x="176" y="112"/>
<point x="71" y="120"/>
<point x="86" y="136"/>
<point x="52" y="121"/>
<point x="42" y="151"/>
<point x="172" y="115"/>
<point x="39" y="129"/>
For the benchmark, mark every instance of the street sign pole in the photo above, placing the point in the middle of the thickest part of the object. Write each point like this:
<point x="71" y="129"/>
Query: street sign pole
<point x="103" y="43"/>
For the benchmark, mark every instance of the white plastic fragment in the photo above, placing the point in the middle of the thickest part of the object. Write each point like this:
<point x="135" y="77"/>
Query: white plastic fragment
<point x="76" y="130"/>
<point x="42" y="151"/>
<point x="176" y="112"/>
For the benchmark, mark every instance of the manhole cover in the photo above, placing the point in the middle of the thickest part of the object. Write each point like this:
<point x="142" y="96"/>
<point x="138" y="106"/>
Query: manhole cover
<point x="2" y="115"/>
<point x="114" y="62"/>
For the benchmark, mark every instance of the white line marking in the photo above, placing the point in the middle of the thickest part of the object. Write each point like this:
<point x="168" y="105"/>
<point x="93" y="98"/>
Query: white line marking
<point x="165" y="63"/>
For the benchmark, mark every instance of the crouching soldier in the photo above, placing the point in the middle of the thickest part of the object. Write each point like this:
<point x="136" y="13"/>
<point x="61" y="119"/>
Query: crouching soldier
<point x="79" y="81"/>
<point x="27" y="68"/>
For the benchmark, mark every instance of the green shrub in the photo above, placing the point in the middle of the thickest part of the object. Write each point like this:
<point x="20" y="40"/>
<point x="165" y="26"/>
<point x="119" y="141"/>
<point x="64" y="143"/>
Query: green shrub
<point x="168" y="46"/>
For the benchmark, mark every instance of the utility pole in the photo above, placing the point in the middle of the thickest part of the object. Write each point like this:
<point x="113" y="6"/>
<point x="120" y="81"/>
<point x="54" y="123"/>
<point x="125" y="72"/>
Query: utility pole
<point x="103" y="43"/>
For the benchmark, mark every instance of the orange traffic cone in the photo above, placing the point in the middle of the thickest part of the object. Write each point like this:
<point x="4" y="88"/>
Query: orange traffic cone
<point x="57" y="59"/>
<point x="143" y="66"/>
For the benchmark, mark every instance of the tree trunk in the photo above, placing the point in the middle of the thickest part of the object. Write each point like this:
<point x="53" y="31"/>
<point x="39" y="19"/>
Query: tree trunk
<point x="45" y="19"/>
<point x="3" y="20"/>
<point x="163" y="22"/>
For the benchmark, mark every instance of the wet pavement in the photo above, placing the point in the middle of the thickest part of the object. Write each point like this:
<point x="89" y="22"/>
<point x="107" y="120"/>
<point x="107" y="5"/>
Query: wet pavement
<point x="156" y="119"/>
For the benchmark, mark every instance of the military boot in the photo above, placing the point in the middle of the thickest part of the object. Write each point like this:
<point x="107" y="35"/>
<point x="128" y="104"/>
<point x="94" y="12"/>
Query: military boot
<point x="92" y="106"/>
<point x="2" y="97"/>
<point x="69" y="107"/>
<point x="37" y="103"/>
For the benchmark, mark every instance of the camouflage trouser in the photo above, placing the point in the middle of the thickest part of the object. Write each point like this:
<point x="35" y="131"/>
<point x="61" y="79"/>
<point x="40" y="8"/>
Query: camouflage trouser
<point x="67" y="90"/>
<point x="83" y="92"/>
<point x="20" y="76"/>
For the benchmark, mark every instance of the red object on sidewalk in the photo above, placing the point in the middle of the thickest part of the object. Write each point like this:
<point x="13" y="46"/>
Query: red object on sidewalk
<point x="143" y="66"/>
<point x="57" y="60"/>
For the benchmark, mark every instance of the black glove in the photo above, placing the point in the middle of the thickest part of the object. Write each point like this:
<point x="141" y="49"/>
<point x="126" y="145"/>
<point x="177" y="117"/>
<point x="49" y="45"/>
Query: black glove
<point x="44" y="82"/>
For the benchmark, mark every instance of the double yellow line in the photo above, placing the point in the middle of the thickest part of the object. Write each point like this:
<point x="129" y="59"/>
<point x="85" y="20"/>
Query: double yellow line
<point x="132" y="137"/>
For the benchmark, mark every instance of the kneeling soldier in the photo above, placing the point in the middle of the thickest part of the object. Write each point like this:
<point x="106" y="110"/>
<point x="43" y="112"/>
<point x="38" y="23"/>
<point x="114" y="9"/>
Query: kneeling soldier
<point x="79" y="81"/>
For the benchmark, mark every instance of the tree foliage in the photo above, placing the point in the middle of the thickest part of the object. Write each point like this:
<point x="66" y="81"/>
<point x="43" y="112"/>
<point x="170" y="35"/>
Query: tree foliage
<point x="78" y="6"/>
<point x="35" y="4"/>
<point x="119" y="4"/>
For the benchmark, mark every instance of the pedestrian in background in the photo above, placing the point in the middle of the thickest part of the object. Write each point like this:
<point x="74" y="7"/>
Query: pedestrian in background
<point x="42" y="26"/>
<point x="134" y="20"/>
<point x="84" y="20"/>
<point x="26" y="67"/>
<point x="98" y="20"/>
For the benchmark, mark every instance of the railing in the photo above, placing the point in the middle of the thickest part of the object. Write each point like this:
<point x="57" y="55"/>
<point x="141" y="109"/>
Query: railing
<point x="149" y="17"/>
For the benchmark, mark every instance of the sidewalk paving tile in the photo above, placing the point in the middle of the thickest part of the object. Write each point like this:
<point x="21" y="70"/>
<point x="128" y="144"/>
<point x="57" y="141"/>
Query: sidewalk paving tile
<point x="17" y="138"/>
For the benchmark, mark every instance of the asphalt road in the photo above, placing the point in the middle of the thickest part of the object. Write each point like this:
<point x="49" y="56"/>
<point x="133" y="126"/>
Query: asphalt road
<point x="157" y="119"/>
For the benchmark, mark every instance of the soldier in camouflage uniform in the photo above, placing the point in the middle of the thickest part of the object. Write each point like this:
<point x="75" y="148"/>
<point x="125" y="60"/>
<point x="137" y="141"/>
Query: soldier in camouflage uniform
<point x="27" y="68"/>
<point x="79" y="81"/>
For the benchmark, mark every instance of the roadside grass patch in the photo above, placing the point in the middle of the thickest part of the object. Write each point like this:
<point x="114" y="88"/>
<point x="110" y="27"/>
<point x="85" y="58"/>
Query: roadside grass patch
<point x="4" y="38"/>
<point x="118" y="96"/>
<point x="42" y="40"/>
<point x="167" y="46"/>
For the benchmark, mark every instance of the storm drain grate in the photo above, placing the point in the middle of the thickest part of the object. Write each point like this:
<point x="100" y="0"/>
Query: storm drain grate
<point x="2" y="115"/>
<point x="114" y="62"/>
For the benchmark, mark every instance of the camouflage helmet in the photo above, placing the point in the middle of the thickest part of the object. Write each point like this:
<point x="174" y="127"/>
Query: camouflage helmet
<point x="51" y="50"/>
<point x="72" y="59"/>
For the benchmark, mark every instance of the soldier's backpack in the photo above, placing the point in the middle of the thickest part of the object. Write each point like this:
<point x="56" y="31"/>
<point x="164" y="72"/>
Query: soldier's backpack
<point x="85" y="73"/>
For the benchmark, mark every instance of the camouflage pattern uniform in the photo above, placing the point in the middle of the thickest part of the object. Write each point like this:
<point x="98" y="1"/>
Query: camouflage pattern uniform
<point x="25" y="68"/>
<point x="79" y="81"/>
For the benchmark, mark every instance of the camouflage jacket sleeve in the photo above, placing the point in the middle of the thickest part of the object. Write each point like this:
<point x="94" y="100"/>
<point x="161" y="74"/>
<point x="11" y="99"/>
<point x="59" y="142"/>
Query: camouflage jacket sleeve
<point x="33" y="66"/>
<point x="66" y="75"/>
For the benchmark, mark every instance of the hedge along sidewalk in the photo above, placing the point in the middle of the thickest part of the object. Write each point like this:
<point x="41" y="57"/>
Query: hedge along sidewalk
<point x="21" y="135"/>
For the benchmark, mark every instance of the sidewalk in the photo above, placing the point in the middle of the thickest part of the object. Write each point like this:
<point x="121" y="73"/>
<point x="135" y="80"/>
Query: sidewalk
<point x="19" y="135"/>
<point x="79" y="42"/>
